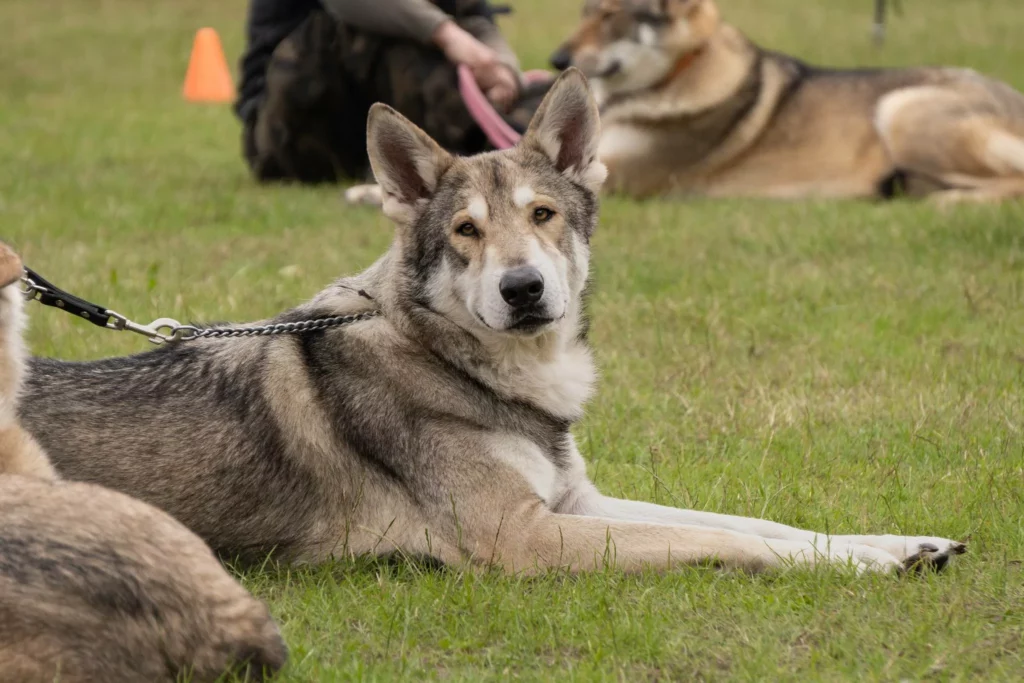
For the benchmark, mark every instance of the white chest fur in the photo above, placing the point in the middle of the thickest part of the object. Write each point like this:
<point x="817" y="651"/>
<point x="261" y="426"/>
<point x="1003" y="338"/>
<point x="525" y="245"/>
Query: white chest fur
<point x="560" y="384"/>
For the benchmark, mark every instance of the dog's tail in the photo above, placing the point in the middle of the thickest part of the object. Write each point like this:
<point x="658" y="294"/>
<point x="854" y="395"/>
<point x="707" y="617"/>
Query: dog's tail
<point x="19" y="453"/>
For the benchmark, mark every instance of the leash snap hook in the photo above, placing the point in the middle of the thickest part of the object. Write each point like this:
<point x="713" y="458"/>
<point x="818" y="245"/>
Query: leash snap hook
<point x="29" y="289"/>
<point x="160" y="331"/>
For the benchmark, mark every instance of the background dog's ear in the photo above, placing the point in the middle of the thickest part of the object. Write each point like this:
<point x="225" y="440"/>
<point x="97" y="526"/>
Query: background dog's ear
<point x="406" y="162"/>
<point x="567" y="129"/>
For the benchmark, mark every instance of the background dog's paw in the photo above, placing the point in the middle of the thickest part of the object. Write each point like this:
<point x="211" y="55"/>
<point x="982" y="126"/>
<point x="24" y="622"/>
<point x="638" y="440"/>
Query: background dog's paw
<point x="931" y="557"/>
<point x="10" y="266"/>
<point x="369" y="195"/>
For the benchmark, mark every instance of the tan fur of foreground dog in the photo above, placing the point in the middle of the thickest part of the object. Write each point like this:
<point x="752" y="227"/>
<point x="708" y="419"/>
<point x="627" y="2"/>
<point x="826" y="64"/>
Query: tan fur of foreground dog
<point x="96" y="586"/>
<point x="690" y="106"/>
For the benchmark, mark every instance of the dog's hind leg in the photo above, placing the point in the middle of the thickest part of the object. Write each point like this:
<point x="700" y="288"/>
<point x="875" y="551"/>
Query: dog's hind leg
<point x="967" y="137"/>
<point x="19" y="453"/>
<point x="984" y="192"/>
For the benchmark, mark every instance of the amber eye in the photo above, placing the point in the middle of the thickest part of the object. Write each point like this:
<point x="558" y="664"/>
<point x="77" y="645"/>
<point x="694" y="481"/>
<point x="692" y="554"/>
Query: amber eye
<point x="543" y="214"/>
<point x="467" y="230"/>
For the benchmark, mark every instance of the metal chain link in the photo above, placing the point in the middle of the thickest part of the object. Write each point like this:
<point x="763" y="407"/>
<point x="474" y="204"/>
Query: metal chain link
<point x="191" y="332"/>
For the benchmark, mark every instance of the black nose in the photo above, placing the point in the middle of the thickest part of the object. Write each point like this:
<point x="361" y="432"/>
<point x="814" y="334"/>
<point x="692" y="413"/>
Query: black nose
<point x="522" y="286"/>
<point x="561" y="59"/>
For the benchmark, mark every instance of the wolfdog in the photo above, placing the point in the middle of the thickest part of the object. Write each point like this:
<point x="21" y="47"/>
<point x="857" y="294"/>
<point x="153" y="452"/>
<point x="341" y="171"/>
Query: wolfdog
<point x="96" y="586"/>
<point x="441" y="426"/>
<point x="690" y="106"/>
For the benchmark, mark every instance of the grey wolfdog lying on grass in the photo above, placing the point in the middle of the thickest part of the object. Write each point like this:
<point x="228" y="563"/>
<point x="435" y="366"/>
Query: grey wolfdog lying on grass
<point x="440" y="427"/>
<point x="96" y="586"/>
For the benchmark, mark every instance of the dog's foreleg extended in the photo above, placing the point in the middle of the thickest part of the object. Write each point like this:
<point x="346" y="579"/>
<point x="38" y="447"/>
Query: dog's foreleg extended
<point x="535" y="539"/>
<point x="502" y="521"/>
<point x="586" y="500"/>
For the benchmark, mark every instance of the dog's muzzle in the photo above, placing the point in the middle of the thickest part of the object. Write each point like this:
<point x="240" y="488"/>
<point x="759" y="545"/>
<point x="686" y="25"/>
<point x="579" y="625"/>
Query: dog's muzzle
<point x="522" y="287"/>
<point x="561" y="58"/>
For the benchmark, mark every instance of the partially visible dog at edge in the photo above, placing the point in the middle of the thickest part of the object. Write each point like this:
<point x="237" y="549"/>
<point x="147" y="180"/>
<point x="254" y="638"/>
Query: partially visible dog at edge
<point x="96" y="586"/>
<point x="440" y="427"/>
<point x="690" y="106"/>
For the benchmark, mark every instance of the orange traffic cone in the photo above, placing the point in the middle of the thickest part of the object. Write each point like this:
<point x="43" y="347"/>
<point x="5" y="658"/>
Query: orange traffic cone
<point x="208" y="78"/>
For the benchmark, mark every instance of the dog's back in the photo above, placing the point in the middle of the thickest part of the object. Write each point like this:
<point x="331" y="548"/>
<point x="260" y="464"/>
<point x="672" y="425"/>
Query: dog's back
<point x="96" y="586"/>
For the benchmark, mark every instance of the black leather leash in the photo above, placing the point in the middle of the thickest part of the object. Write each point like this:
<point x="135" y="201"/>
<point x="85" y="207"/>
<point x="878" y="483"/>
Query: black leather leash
<point x="38" y="288"/>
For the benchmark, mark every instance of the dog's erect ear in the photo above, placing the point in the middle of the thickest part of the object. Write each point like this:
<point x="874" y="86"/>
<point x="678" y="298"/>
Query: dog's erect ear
<point x="405" y="161"/>
<point x="567" y="128"/>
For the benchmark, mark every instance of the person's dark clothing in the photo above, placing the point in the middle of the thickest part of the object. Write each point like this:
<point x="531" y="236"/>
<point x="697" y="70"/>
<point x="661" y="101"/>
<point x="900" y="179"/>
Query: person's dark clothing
<point x="305" y="95"/>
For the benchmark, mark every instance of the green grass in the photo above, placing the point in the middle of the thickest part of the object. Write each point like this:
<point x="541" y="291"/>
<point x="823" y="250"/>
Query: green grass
<point x="842" y="366"/>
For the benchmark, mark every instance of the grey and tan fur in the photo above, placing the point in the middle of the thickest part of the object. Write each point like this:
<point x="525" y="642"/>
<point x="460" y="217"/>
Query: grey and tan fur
<point x="96" y="586"/>
<point x="441" y="427"/>
<point x="690" y="106"/>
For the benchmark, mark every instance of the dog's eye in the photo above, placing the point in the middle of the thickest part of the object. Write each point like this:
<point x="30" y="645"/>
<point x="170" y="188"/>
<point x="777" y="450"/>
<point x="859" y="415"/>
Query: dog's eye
<point x="543" y="214"/>
<point x="467" y="229"/>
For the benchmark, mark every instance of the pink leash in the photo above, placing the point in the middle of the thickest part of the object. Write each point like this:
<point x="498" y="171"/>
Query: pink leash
<point x="500" y="134"/>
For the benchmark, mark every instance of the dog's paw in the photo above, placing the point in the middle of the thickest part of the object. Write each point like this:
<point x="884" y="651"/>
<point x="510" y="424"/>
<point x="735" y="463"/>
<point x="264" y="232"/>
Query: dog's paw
<point x="866" y="559"/>
<point x="861" y="558"/>
<point x="909" y="549"/>
<point x="369" y="195"/>
<point x="932" y="556"/>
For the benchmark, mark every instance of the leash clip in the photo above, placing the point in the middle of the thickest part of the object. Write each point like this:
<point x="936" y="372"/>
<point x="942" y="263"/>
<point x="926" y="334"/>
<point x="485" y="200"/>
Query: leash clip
<point x="160" y="331"/>
<point x="31" y="290"/>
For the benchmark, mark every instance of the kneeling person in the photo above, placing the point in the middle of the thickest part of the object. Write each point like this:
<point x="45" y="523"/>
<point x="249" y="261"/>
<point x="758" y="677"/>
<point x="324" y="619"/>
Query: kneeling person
<point x="312" y="69"/>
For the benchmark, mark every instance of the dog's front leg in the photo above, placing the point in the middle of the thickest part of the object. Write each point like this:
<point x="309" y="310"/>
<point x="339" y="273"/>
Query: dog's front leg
<point x="585" y="499"/>
<point x="529" y="538"/>
<point x="911" y="550"/>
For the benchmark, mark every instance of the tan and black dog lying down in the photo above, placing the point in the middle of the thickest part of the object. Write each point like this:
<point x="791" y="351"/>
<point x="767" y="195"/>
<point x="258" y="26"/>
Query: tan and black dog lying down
<point x="440" y="426"/>
<point x="691" y="107"/>
<point x="96" y="586"/>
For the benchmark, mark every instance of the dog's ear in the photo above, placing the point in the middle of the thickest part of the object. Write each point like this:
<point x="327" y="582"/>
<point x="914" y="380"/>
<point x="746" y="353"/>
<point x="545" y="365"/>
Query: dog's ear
<point x="567" y="128"/>
<point x="406" y="162"/>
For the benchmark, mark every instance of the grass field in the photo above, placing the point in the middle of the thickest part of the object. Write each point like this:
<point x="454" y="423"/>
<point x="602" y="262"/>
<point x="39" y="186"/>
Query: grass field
<point x="844" y="366"/>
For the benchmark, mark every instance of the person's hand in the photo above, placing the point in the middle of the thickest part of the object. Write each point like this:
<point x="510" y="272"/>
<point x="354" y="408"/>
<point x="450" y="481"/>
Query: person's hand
<point x="503" y="94"/>
<point x="496" y="79"/>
